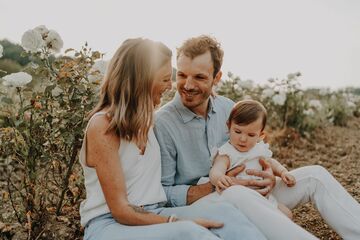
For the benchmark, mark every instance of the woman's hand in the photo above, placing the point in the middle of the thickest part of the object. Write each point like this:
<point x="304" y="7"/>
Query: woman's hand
<point x="208" y="223"/>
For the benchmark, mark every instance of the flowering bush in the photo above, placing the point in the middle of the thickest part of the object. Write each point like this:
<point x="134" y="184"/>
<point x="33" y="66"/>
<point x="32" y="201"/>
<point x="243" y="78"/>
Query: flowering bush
<point x="1" y="50"/>
<point x="42" y="130"/>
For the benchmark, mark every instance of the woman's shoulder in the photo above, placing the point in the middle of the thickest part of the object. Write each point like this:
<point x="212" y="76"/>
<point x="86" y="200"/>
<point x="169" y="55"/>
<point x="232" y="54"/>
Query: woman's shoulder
<point x="98" y="127"/>
<point x="98" y="121"/>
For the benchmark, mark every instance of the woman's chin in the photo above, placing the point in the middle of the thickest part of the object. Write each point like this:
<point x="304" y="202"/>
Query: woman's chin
<point x="157" y="102"/>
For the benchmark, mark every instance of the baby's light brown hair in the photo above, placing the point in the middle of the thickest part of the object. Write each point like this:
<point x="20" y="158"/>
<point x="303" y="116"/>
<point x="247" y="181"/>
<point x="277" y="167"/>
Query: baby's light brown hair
<point x="248" y="111"/>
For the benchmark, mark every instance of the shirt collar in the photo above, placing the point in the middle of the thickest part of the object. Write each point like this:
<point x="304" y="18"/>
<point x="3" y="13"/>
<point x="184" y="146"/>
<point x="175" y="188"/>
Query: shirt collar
<point x="186" y="114"/>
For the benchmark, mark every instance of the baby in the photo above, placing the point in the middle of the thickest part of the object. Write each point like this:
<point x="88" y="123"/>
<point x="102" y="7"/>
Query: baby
<point x="246" y="125"/>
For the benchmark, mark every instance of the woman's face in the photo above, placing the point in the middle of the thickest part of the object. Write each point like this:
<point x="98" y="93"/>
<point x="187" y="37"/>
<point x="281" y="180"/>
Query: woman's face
<point x="162" y="82"/>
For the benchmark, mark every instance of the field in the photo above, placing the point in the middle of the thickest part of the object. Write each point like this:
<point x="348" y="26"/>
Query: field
<point x="335" y="148"/>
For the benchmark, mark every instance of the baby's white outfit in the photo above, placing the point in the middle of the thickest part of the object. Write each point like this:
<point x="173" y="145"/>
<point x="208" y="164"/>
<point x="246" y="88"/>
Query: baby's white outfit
<point x="250" y="159"/>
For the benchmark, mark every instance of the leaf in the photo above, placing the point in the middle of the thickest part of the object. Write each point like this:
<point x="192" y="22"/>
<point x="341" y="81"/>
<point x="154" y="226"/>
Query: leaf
<point x="69" y="50"/>
<point x="49" y="89"/>
<point x="7" y="100"/>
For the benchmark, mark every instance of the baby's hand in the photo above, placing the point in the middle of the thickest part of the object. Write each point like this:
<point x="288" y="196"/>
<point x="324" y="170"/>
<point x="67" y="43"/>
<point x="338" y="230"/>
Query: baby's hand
<point x="223" y="182"/>
<point x="288" y="179"/>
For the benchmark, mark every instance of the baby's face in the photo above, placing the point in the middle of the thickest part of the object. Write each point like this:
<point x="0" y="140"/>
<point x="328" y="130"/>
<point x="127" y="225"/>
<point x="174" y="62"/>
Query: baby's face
<point x="244" y="137"/>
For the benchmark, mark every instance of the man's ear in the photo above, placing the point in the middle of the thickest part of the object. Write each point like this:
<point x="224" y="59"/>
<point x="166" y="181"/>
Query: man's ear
<point x="217" y="77"/>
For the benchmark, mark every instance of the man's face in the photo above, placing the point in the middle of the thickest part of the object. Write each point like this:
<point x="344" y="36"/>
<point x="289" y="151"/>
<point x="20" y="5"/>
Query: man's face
<point x="195" y="81"/>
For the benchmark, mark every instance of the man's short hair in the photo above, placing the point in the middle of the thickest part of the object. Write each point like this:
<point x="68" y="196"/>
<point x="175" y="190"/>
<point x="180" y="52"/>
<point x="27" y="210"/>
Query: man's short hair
<point x="196" y="46"/>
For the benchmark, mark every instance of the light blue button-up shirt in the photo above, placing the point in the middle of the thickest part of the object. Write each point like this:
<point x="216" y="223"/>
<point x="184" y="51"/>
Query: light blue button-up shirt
<point x="187" y="142"/>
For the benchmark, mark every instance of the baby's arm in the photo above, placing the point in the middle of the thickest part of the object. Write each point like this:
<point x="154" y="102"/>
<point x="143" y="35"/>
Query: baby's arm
<point x="280" y="171"/>
<point x="217" y="173"/>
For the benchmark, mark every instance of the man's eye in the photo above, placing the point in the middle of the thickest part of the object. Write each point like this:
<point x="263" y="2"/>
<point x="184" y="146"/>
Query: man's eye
<point x="238" y="132"/>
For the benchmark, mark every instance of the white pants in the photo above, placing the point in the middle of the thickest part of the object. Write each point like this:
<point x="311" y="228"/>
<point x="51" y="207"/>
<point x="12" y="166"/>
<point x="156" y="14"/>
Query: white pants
<point x="313" y="184"/>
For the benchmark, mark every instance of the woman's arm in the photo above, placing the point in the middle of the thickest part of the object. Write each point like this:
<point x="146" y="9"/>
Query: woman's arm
<point x="102" y="154"/>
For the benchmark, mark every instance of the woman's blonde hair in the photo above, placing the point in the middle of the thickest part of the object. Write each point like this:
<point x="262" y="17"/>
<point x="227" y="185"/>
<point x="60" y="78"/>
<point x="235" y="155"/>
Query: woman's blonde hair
<point x="126" y="91"/>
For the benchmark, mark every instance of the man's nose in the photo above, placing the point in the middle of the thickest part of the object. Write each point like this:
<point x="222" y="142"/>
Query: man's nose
<point x="189" y="83"/>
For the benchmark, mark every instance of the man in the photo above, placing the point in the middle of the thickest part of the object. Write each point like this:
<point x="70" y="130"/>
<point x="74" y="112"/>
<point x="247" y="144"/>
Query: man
<point x="193" y="125"/>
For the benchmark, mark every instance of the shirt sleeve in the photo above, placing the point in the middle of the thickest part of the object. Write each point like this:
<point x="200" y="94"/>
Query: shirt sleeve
<point x="176" y="194"/>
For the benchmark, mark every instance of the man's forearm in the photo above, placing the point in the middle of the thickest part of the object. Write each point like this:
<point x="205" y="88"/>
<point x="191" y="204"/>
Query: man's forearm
<point x="196" y="192"/>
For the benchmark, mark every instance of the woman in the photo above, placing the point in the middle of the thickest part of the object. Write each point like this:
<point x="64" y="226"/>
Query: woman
<point x="120" y="157"/>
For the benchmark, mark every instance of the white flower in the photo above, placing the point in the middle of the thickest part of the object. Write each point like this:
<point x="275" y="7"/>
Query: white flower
<point x="97" y="71"/>
<point x="315" y="104"/>
<point x="17" y="79"/>
<point x="42" y="30"/>
<point x="248" y="84"/>
<point x="32" y="41"/>
<point x="279" y="99"/>
<point x="247" y="97"/>
<point x="268" y="92"/>
<point x="1" y="51"/>
<point x="309" y="112"/>
<point x="54" y="41"/>
<point x="351" y="104"/>
<point x="237" y="87"/>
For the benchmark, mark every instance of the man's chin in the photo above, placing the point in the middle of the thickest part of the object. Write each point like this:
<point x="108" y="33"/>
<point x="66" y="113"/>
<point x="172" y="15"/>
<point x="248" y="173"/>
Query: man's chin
<point x="188" y="102"/>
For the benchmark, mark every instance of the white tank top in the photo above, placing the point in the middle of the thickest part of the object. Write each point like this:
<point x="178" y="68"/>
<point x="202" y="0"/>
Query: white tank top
<point x="142" y="176"/>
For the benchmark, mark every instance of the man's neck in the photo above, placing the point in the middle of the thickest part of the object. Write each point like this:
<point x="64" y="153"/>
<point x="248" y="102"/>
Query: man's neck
<point x="202" y="110"/>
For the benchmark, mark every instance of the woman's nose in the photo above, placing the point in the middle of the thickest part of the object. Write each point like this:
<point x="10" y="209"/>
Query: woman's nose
<point x="168" y="85"/>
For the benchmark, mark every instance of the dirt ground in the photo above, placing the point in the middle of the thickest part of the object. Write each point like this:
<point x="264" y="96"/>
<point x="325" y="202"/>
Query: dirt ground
<point x="335" y="148"/>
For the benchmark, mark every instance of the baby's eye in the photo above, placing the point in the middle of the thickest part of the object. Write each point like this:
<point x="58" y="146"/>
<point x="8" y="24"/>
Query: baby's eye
<point x="252" y="135"/>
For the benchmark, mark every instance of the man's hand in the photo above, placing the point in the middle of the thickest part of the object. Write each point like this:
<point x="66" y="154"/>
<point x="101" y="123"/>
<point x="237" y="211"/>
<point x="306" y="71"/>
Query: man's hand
<point x="235" y="171"/>
<point x="238" y="181"/>
<point x="198" y="191"/>
<point x="268" y="179"/>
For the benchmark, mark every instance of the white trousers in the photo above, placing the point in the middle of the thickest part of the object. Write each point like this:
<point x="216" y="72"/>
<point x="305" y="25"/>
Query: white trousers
<point x="313" y="184"/>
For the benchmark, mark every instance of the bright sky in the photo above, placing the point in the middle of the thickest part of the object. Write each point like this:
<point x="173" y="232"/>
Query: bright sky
<point x="261" y="38"/>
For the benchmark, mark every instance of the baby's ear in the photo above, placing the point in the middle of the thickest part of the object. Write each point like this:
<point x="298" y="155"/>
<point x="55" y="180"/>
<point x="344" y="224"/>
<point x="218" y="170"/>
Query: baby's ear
<point x="262" y="135"/>
<point x="228" y="124"/>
